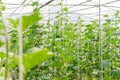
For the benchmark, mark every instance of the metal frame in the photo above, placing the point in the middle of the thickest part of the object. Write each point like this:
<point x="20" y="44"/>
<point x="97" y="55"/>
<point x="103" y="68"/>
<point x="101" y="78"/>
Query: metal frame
<point x="70" y="6"/>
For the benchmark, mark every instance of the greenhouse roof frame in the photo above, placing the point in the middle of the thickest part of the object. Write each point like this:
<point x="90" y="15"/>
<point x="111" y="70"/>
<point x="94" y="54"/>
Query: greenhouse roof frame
<point x="88" y="9"/>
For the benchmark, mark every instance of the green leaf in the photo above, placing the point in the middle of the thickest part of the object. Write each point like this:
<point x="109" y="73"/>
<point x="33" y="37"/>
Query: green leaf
<point x="117" y="13"/>
<point x="65" y="9"/>
<point x="106" y="16"/>
<point x="55" y="79"/>
<point x="115" y="74"/>
<point x="106" y="23"/>
<point x="35" y="3"/>
<point x="13" y="61"/>
<point x="2" y="54"/>
<point x="1" y="43"/>
<point x="118" y="20"/>
<point x="13" y="22"/>
<point x="32" y="59"/>
<point x="31" y="19"/>
<point x="3" y="8"/>
<point x="60" y="4"/>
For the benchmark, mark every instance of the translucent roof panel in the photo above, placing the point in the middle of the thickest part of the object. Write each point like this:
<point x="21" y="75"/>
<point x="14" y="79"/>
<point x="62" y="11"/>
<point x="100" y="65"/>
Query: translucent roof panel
<point x="86" y="9"/>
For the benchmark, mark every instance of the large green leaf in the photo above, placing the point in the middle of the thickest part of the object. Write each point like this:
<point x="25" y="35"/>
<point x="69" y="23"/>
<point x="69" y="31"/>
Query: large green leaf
<point x="13" y="61"/>
<point x="31" y="59"/>
<point x="31" y="19"/>
<point x="26" y="20"/>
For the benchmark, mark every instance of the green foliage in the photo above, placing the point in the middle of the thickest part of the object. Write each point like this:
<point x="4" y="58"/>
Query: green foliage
<point x="115" y="74"/>
<point x="65" y="9"/>
<point x="13" y="61"/>
<point x="2" y="54"/>
<point x="2" y="7"/>
<point x="35" y="3"/>
<point x="13" y="22"/>
<point x="31" y="19"/>
<point x="30" y="60"/>
<point x="106" y="16"/>
<point x="76" y="46"/>
<point x="26" y="20"/>
<point x="33" y="59"/>
<point x="1" y="43"/>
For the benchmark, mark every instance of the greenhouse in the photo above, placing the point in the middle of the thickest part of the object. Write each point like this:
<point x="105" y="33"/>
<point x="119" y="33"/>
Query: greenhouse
<point x="59" y="39"/>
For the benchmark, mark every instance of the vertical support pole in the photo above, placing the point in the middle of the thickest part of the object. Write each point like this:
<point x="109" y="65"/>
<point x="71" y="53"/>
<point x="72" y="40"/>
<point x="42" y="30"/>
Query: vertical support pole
<point x="100" y="42"/>
<point x="20" y="49"/>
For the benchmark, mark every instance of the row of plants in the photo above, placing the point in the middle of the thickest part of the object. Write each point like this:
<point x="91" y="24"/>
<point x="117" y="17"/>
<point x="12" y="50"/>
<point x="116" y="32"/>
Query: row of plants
<point x="82" y="50"/>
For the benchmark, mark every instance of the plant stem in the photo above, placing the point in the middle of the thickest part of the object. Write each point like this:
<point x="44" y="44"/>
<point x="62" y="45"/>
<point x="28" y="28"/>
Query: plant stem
<point x="6" y="48"/>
